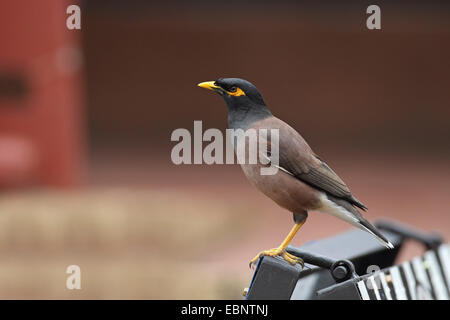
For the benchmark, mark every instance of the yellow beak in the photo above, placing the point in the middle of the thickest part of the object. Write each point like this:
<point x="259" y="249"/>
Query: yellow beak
<point x="209" y="85"/>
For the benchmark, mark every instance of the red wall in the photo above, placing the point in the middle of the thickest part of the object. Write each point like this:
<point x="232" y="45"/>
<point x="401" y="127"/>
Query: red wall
<point x="41" y="140"/>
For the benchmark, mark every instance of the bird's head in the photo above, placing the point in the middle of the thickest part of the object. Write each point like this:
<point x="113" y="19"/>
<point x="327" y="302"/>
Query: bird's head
<point x="235" y="92"/>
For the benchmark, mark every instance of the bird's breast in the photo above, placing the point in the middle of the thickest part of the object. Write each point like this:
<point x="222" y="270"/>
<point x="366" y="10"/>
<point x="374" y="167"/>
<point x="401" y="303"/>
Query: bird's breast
<point x="286" y="190"/>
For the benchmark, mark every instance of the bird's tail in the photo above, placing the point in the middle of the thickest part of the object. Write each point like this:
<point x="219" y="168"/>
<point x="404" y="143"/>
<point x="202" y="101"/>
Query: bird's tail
<point x="347" y="212"/>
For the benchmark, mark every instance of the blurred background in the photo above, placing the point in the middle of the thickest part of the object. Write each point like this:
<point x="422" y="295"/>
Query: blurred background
<point x="86" y="117"/>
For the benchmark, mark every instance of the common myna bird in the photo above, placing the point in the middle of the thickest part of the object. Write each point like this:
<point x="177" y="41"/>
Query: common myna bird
<point x="304" y="182"/>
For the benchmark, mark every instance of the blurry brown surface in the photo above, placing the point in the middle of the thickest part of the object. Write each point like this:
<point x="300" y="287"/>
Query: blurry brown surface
<point x="414" y="191"/>
<point x="187" y="232"/>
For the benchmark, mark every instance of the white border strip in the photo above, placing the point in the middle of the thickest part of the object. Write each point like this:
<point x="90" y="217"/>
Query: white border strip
<point x="444" y="255"/>
<point x="410" y="281"/>
<point x="435" y="275"/>
<point x="386" y="289"/>
<point x="419" y="270"/>
<point x="374" y="287"/>
<point x="363" y="290"/>
<point x="398" y="283"/>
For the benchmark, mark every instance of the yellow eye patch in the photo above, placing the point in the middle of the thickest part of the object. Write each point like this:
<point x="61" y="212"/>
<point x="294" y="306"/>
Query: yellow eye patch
<point x="211" y="85"/>
<point x="237" y="93"/>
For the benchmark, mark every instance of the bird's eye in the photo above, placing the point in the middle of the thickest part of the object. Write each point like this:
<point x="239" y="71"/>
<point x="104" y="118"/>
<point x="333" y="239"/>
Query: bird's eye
<point x="233" y="89"/>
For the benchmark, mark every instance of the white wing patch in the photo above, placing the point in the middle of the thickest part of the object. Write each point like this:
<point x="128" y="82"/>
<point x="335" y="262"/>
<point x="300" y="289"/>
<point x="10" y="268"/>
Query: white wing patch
<point x="278" y="167"/>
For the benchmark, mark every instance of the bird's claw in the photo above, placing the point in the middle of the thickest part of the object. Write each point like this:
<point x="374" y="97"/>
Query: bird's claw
<point x="277" y="252"/>
<point x="293" y="259"/>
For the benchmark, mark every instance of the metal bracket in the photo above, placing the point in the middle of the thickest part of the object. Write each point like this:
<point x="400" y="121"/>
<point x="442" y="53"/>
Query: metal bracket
<point x="332" y="264"/>
<point x="341" y="270"/>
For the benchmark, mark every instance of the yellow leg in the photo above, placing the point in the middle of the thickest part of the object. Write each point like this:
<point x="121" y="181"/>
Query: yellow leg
<point x="281" y="250"/>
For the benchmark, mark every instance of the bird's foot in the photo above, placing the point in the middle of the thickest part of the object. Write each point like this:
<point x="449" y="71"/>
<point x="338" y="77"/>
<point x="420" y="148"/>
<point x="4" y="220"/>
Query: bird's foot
<point x="277" y="252"/>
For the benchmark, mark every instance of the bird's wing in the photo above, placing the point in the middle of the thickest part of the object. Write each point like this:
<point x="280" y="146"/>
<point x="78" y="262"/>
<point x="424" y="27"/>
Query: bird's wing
<point x="318" y="174"/>
<point x="296" y="157"/>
